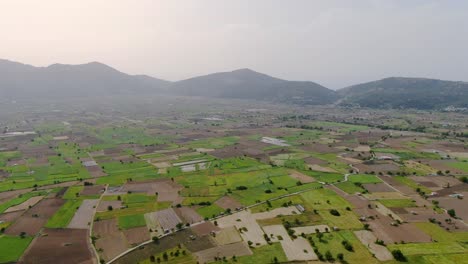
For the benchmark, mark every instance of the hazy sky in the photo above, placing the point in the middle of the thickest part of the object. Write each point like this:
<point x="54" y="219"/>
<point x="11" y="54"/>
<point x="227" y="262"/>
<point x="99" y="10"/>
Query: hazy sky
<point x="335" y="43"/>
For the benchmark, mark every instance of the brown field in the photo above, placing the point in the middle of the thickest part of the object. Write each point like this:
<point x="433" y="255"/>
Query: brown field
<point x="459" y="205"/>
<point x="407" y="232"/>
<point x="93" y="190"/>
<point x="227" y="202"/>
<point x="167" y="190"/>
<point x="5" y="196"/>
<point x="137" y="235"/>
<point x="96" y="171"/>
<point x="235" y="249"/>
<point x="84" y="215"/>
<point x="397" y="185"/>
<point x="23" y="206"/>
<point x="10" y="217"/>
<point x="112" y="245"/>
<point x="204" y="228"/>
<point x="105" y="227"/>
<point x="301" y="177"/>
<point x="35" y="218"/>
<point x="383" y="167"/>
<point x="378" y="187"/>
<point x="188" y="214"/>
<point x="66" y="246"/>
<point x="453" y="189"/>
<point x="103" y="205"/>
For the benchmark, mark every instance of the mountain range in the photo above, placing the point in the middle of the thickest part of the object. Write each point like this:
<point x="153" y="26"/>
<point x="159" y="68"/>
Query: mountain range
<point x="56" y="81"/>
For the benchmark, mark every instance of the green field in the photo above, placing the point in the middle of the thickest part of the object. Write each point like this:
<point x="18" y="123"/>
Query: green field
<point x="264" y="254"/>
<point x="461" y="165"/>
<point x="398" y="203"/>
<point x="363" y="178"/>
<point x="349" y="187"/>
<point x="130" y="221"/>
<point x="333" y="242"/>
<point x="11" y="248"/>
<point x="64" y="215"/>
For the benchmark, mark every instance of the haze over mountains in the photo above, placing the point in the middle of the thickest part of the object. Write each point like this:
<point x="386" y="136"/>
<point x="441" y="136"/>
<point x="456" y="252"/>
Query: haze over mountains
<point x="20" y="81"/>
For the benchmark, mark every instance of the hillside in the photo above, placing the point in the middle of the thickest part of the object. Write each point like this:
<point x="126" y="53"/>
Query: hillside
<point x="398" y="92"/>
<point x="248" y="84"/>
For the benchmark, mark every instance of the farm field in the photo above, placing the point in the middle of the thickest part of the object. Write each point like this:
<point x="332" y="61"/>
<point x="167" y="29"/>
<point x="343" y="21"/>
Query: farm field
<point x="175" y="187"/>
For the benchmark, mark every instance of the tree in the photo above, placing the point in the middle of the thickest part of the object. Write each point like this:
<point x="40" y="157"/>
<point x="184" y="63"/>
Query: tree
<point x="165" y="256"/>
<point x="398" y="255"/>
<point x="452" y="213"/>
<point x="155" y="240"/>
<point x="329" y="256"/>
<point x="275" y="260"/>
<point x="152" y="258"/>
<point x="340" y="257"/>
<point x="334" y="212"/>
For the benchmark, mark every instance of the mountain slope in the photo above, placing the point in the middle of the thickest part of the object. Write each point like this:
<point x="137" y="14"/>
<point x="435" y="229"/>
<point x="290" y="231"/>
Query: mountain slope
<point x="58" y="80"/>
<point x="248" y="84"/>
<point x="399" y="92"/>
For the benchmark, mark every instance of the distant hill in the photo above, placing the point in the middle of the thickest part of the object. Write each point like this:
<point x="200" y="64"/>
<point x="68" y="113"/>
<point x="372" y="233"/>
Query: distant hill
<point x="59" y="80"/>
<point x="248" y="84"/>
<point x="398" y="92"/>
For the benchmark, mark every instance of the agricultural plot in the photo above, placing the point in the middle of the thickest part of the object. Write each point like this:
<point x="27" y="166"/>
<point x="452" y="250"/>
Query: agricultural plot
<point x="84" y="215"/>
<point x="60" y="246"/>
<point x="298" y="249"/>
<point x="15" y="245"/>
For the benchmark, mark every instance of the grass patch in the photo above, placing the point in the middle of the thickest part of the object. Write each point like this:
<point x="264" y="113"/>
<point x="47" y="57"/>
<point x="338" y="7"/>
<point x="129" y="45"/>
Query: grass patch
<point x="130" y="221"/>
<point x="64" y="215"/>
<point x="11" y="248"/>
<point x="349" y="187"/>
<point x="363" y="178"/>
<point x="398" y="203"/>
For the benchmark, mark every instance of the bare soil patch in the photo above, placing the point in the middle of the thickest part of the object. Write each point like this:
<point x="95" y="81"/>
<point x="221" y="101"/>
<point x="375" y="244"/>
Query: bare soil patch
<point x="377" y="187"/>
<point x="301" y="177"/>
<point x="105" y="227"/>
<point x="60" y="246"/>
<point x="229" y="250"/>
<point x="188" y="214"/>
<point x="10" y="217"/>
<point x="137" y="235"/>
<point x="227" y="202"/>
<point x="103" y="205"/>
<point x="112" y="245"/>
<point x="204" y="228"/>
<point x="35" y="218"/>
<point x="93" y="190"/>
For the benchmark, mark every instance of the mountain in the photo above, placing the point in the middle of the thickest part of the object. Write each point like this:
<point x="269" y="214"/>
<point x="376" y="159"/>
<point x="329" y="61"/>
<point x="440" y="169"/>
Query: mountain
<point x="248" y="84"/>
<point x="59" y="80"/>
<point x="399" y="92"/>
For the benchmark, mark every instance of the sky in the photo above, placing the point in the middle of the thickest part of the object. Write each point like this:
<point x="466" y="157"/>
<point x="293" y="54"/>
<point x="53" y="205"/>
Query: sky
<point x="334" y="43"/>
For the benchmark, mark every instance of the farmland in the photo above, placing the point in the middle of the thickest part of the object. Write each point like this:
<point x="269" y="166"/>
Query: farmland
<point x="181" y="188"/>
